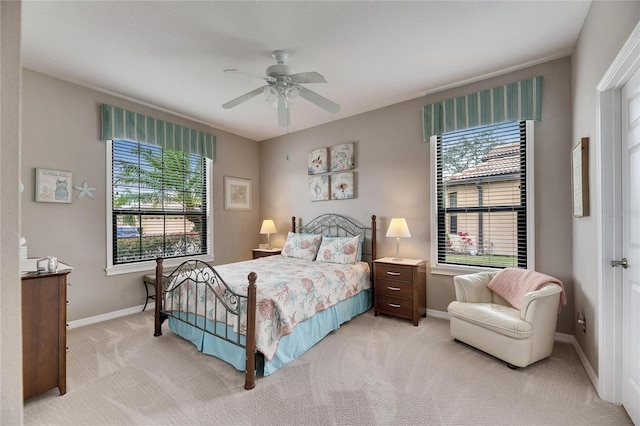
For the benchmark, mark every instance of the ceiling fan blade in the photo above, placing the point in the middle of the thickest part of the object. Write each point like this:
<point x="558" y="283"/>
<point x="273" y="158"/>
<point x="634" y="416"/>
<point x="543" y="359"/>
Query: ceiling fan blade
<point x="284" y="118"/>
<point x="307" y="77"/>
<point x="319" y="100"/>
<point x="237" y="71"/>
<point x="244" y="98"/>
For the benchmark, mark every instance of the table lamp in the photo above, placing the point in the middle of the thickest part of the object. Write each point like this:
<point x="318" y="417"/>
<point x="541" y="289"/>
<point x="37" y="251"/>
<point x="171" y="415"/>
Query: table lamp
<point x="268" y="227"/>
<point x="398" y="228"/>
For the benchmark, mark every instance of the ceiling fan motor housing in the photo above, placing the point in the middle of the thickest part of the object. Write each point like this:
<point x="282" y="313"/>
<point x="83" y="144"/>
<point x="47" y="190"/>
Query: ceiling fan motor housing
<point x="279" y="71"/>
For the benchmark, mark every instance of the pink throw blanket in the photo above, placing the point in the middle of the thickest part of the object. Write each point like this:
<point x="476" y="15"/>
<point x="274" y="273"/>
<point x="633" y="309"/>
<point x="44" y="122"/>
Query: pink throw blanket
<point x="513" y="283"/>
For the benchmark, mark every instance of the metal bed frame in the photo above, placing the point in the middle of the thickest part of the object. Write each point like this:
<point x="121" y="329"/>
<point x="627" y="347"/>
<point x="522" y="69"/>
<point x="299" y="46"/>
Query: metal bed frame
<point x="236" y="304"/>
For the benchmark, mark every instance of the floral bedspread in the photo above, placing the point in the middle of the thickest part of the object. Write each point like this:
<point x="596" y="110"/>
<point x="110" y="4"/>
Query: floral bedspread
<point x="289" y="291"/>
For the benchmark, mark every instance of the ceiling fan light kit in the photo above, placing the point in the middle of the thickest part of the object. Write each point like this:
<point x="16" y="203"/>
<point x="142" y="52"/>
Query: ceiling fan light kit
<point x="271" y="95"/>
<point x="291" y="94"/>
<point x="284" y="88"/>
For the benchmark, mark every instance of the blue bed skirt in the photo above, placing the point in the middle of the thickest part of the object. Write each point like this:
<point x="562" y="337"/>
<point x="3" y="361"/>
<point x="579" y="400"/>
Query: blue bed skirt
<point x="293" y="345"/>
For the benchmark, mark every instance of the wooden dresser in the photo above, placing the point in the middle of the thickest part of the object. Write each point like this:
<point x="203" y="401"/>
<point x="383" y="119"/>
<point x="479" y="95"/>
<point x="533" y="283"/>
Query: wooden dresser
<point x="400" y="288"/>
<point x="44" y="332"/>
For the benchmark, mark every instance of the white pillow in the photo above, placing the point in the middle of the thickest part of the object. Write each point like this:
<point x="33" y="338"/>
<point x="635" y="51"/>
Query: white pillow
<point x="301" y="246"/>
<point x="338" y="250"/>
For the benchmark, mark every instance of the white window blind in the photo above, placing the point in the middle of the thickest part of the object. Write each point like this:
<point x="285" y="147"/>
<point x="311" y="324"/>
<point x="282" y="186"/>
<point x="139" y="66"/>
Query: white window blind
<point x="481" y="187"/>
<point x="159" y="203"/>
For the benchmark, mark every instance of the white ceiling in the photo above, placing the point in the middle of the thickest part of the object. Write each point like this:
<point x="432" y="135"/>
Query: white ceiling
<point x="171" y="54"/>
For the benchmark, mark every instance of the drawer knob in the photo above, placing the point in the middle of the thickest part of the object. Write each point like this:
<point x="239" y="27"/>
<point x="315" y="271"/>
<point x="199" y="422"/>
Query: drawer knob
<point x="393" y="288"/>
<point x="395" y="274"/>
<point x="393" y="305"/>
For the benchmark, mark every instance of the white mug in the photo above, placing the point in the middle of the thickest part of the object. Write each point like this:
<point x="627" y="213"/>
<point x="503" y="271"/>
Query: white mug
<point x="48" y="264"/>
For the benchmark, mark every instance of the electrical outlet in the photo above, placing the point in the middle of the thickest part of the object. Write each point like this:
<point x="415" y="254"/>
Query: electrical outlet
<point x="583" y="321"/>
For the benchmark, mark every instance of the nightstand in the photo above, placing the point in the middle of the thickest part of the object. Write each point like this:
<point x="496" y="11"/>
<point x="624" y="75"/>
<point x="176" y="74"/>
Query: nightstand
<point x="400" y="288"/>
<point x="265" y="252"/>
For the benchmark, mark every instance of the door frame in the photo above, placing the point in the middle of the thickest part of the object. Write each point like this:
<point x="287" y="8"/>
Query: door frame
<point x="609" y="217"/>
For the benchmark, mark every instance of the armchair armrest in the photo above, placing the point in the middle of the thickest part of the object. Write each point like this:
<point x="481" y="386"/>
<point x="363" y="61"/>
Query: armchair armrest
<point x="473" y="288"/>
<point x="548" y="294"/>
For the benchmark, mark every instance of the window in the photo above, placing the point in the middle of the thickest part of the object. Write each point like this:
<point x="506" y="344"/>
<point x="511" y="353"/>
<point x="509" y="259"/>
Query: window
<point x="482" y="190"/>
<point x="159" y="205"/>
<point x="453" y="217"/>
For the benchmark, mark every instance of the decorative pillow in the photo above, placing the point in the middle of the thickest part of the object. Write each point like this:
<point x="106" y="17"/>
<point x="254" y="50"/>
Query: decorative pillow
<point x="360" y="244"/>
<point x="302" y="246"/>
<point x="338" y="250"/>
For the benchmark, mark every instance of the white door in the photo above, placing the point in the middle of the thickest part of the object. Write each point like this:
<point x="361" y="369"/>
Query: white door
<point x="631" y="247"/>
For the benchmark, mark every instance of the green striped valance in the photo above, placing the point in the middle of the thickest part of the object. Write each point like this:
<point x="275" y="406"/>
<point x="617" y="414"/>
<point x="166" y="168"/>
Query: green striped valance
<point x="118" y="123"/>
<point x="516" y="101"/>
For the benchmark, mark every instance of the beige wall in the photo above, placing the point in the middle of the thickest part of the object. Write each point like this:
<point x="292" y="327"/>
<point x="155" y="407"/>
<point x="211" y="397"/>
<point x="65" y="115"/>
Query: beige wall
<point x="393" y="177"/>
<point x="10" y="289"/>
<point x="61" y="125"/>
<point x="606" y="28"/>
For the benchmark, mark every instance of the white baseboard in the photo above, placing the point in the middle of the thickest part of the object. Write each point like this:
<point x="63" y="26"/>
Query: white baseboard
<point x="565" y="338"/>
<point x="437" y="314"/>
<point x="585" y="363"/>
<point x="110" y="315"/>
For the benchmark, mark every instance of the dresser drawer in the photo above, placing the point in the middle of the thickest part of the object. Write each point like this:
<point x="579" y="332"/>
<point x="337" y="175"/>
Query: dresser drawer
<point x="394" y="288"/>
<point x="395" y="306"/>
<point x="393" y="272"/>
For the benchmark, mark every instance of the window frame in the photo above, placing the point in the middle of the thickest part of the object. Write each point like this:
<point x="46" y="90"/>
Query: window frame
<point x="451" y="269"/>
<point x="146" y="265"/>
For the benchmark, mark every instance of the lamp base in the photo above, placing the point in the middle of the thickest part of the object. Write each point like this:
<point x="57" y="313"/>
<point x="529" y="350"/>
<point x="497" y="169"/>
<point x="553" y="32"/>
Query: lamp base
<point x="397" y="258"/>
<point x="263" y="246"/>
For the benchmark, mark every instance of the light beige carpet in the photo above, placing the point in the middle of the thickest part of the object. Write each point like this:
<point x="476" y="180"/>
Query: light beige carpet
<point x="373" y="370"/>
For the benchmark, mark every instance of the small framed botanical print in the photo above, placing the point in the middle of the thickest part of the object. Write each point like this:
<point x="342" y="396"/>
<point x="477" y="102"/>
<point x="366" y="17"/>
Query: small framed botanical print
<point x="319" y="187"/>
<point x="318" y="161"/>
<point x="237" y="193"/>
<point x="342" y="157"/>
<point x="342" y="186"/>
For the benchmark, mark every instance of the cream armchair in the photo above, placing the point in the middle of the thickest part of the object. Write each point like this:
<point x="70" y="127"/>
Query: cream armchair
<point x="484" y="320"/>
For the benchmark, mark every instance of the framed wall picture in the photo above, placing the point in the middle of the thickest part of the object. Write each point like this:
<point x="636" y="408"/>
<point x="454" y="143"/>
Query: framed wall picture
<point x="53" y="186"/>
<point x="342" y="186"/>
<point x="319" y="188"/>
<point x="580" y="178"/>
<point x="342" y="157"/>
<point x="237" y="193"/>
<point x="317" y="161"/>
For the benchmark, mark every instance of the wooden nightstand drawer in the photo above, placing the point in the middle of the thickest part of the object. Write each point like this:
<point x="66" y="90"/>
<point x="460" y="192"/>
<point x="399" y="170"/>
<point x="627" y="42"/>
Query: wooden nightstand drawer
<point x="395" y="306"/>
<point x="392" y="288"/>
<point x="395" y="272"/>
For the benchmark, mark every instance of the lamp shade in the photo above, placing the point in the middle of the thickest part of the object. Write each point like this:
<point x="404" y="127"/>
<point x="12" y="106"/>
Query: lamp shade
<point x="268" y="227"/>
<point x="398" y="228"/>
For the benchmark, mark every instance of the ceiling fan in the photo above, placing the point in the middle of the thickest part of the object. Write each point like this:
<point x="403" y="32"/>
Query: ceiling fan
<point x="284" y="87"/>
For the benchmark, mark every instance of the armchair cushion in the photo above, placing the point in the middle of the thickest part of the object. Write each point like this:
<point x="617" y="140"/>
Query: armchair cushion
<point x="497" y="318"/>
<point x="473" y="287"/>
